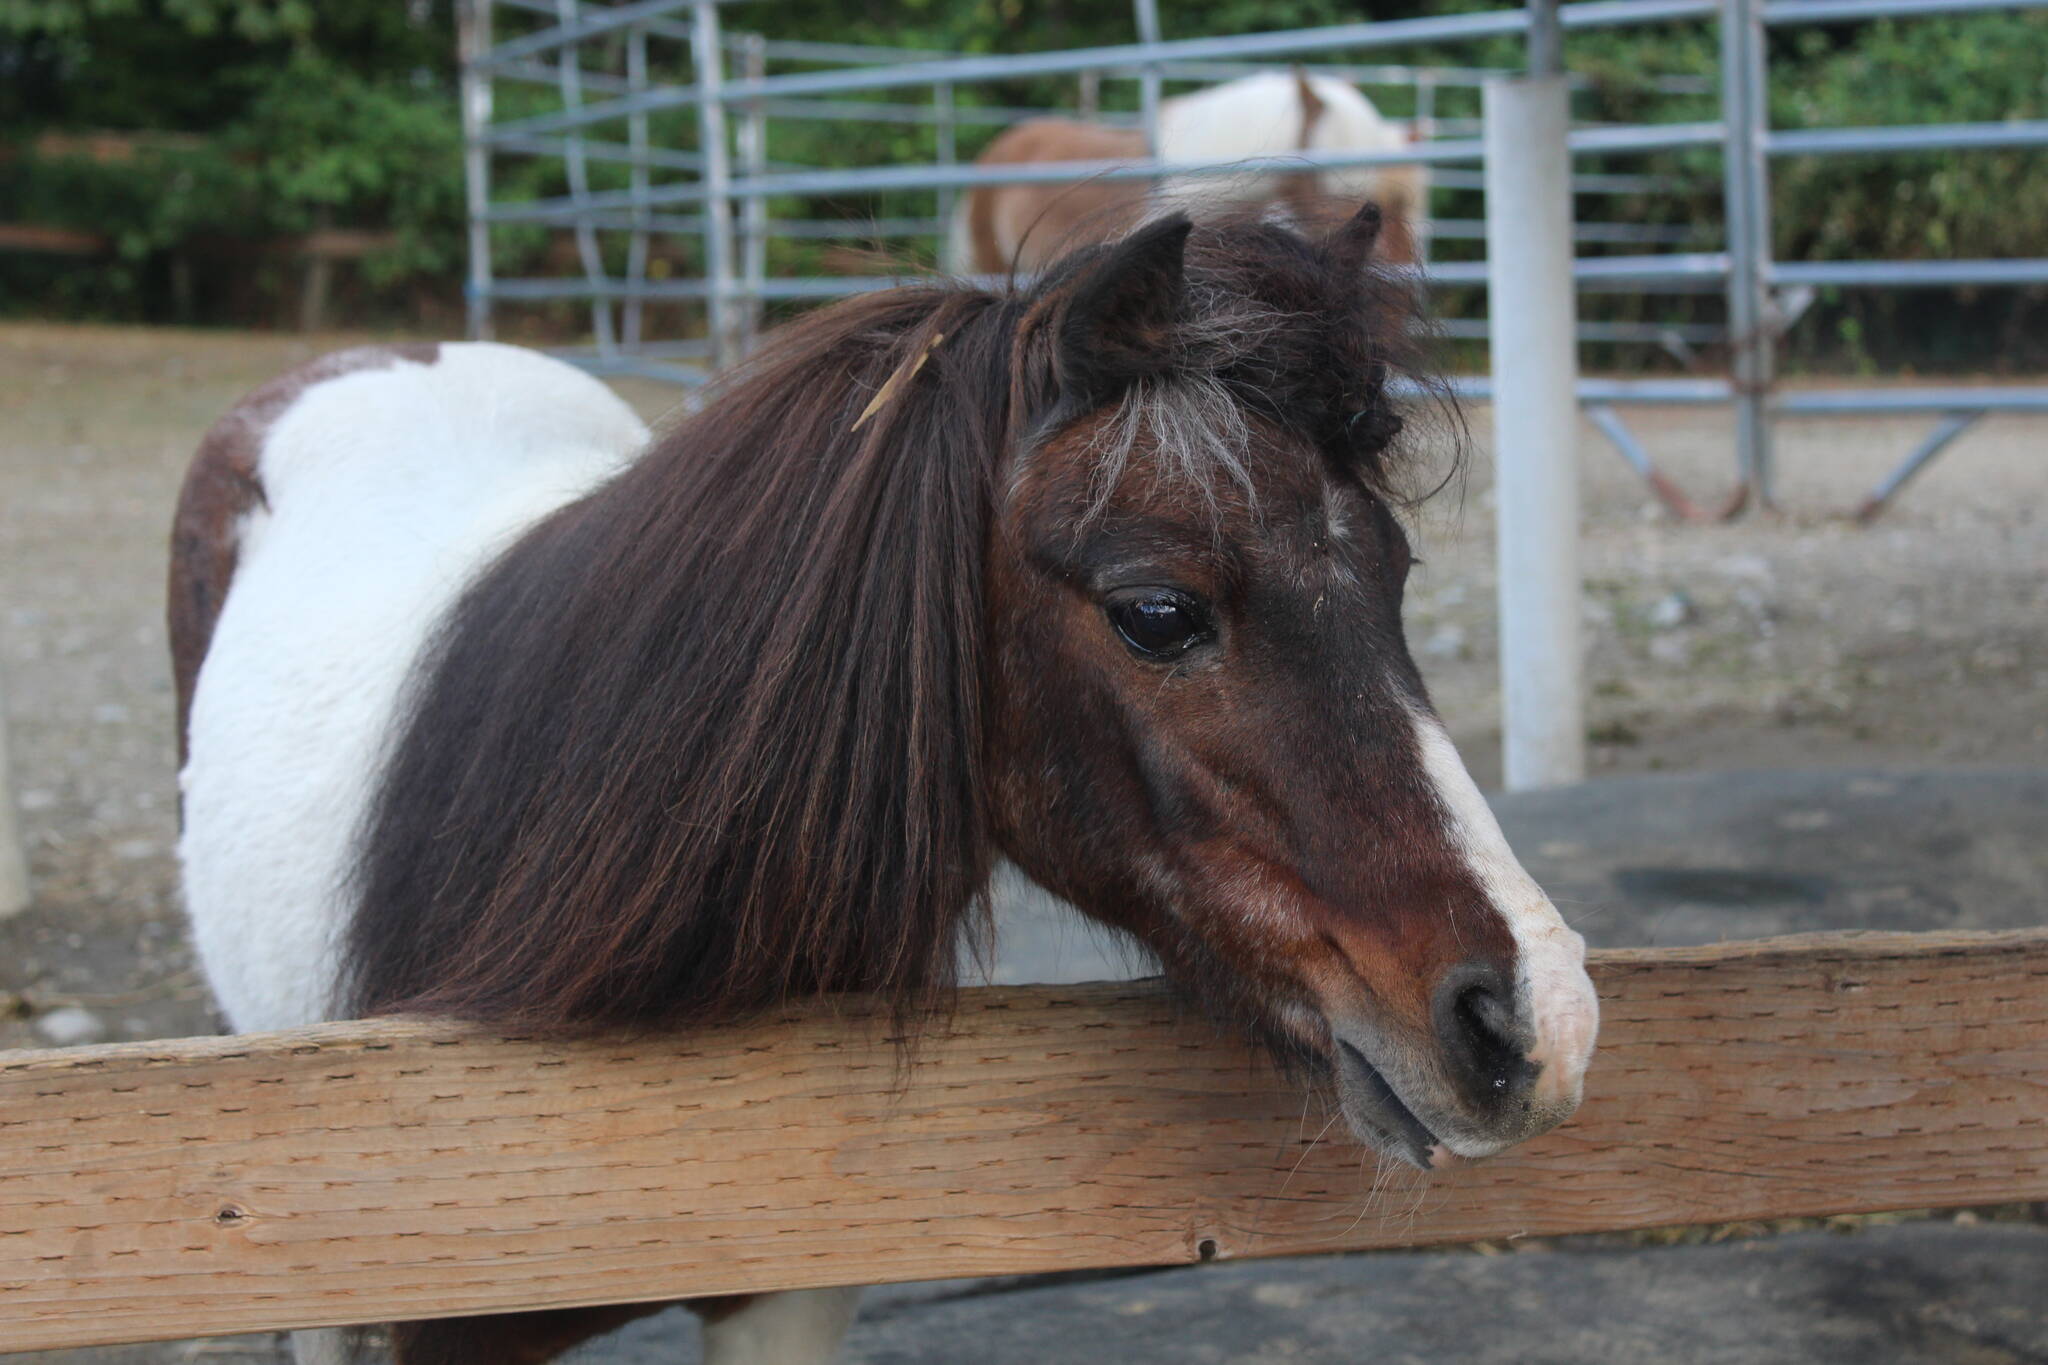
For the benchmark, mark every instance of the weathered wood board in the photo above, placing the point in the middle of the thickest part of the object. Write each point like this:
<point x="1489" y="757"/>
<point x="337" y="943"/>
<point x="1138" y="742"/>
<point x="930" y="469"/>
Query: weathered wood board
<point x="363" y="1172"/>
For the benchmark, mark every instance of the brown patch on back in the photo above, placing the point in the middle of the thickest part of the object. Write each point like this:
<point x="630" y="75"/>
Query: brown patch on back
<point x="222" y="486"/>
<point x="1022" y="227"/>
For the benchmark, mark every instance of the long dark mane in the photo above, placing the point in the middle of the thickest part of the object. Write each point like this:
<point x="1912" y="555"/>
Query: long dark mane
<point x="712" y="736"/>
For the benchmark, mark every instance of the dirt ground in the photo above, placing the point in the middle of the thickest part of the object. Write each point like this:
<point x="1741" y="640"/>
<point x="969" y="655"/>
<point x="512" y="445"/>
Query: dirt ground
<point x="1791" y="639"/>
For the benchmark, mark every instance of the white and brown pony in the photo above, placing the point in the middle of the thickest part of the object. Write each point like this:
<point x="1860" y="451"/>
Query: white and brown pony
<point x="495" y="709"/>
<point x="1000" y="228"/>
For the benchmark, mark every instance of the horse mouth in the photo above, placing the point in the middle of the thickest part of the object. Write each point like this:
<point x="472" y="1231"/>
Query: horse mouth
<point x="1379" y="1116"/>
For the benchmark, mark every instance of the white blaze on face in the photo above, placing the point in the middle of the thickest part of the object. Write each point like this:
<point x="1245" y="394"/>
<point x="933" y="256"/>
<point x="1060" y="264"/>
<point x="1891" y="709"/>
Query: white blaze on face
<point x="1556" y="994"/>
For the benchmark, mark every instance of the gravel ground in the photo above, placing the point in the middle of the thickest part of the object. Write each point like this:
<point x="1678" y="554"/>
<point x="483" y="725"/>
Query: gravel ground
<point x="1790" y="639"/>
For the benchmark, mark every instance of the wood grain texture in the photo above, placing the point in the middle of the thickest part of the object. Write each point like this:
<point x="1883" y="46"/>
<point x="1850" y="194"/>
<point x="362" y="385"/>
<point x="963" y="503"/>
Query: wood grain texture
<point x="363" y="1172"/>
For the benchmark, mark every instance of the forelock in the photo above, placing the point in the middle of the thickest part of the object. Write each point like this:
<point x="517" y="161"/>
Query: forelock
<point x="1271" y="334"/>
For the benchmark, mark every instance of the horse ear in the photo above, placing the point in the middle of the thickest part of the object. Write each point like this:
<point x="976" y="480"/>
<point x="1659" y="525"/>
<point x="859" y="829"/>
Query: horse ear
<point x="1350" y="246"/>
<point x="1117" y="326"/>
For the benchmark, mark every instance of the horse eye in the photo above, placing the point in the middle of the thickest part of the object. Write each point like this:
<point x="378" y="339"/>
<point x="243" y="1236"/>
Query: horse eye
<point x="1158" y="624"/>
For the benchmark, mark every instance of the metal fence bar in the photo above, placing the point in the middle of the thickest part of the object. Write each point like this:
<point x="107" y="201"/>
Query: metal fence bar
<point x="707" y="53"/>
<point x="1652" y="392"/>
<point x="849" y="54"/>
<point x="1588" y="14"/>
<point x="573" y="28"/>
<point x="1840" y="11"/>
<point x="538" y="210"/>
<point x="606" y="201"/>
<point x="1938" y="137"/>
<point x="16" y="894"/>
<point x="637" y="148"/>
<point x="1148" y="75"/>
<point x="855" y="54"/>
<point x="1660" y="484"/>
<point x="1585" y="182"/>
<point x="1459" y="229"/>
<point x="1746" y="207"/>
<point x="1620" y="234"/>
<point x="1633" y="273"/>
<point x="1707" y="268"/>
<point x="1945" y="431"/>
<point x="1534" y="363"/>
<point x="646" y="102"/>
<point x="1652" y="333"/>
<point x="578" y="172"/>
<point x="545" y="289"/>
<point x="874" y="179"/>
<point x="1910" y="274"/>
<point x="753" y="151"/>
<point x="946" y="134"/>
<point x="1880" y="402"/>
<point x="1469" y="76"/>
<point x="473" y="39"/>
<point x="876" y="111"/>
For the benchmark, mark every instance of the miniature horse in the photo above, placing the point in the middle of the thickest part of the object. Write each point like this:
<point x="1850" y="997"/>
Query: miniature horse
<point x="999" y="228"/>
<point x="1092" y="584"/>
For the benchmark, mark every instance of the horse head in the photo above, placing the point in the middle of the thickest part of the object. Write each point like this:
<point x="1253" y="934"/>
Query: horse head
<point x="1205" y="727"/>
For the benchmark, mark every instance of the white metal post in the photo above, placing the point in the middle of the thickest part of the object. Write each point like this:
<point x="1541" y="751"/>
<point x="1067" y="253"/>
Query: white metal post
<point x="1532" y="308"/>
<point x="14" y="890"/>
<point x="1746" y="191"/>
<point x="1149" y="77"/>
<point x="473" y="39"/>
<point x="1423" y="129"/>
<point x="569" y="80"/>
<point x="709" y="60"/>
<point x="948" y="131"/>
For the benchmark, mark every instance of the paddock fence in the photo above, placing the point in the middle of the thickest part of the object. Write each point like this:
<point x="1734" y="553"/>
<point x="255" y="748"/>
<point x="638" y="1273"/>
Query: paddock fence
<point x="595" y="58"/>
<point x="378" y="1171"/>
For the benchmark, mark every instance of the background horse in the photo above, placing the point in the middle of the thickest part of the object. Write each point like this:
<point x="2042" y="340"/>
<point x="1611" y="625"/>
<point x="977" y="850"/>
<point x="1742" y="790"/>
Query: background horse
<point x="997" y="228"/>
<point x="1090" y="588"/>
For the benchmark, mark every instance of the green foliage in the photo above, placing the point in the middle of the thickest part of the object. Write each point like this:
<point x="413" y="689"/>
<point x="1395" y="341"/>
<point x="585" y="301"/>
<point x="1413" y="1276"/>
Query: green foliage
<point x="1971" y="204"/>
<point x="248" y="121"/>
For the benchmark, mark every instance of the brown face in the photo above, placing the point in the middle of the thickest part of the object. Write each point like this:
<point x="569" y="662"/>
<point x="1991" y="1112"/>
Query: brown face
<point x="1208" y="732"/>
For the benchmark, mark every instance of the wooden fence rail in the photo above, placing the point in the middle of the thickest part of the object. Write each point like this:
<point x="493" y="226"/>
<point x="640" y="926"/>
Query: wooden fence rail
<point x="363" y="1172"/>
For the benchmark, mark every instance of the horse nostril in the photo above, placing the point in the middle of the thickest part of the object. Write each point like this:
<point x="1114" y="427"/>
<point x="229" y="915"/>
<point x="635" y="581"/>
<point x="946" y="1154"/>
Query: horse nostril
<point x="1482" y="1040"/>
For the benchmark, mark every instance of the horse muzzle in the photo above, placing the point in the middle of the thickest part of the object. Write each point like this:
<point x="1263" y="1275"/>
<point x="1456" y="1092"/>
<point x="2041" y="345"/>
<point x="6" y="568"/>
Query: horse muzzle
<point x="1500" y="1060"/>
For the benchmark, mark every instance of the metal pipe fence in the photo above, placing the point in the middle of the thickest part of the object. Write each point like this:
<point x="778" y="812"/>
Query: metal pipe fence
<point x="691" y="132"/>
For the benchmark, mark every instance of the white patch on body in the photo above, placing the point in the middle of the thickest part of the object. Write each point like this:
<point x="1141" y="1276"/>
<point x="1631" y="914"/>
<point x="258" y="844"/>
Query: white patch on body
<point x="386" y="491"/>
<point x="1556" y="994"/>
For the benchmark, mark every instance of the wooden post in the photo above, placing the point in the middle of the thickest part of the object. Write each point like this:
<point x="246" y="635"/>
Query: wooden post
<point x="366" y="1172"/>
